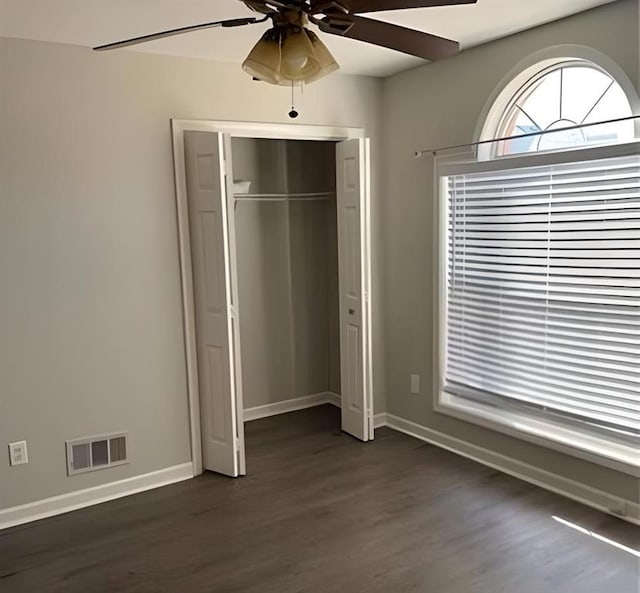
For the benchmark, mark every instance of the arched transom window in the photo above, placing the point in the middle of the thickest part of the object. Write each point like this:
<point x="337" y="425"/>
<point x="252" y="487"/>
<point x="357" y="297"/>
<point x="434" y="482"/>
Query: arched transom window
<point x="565" y="95"/>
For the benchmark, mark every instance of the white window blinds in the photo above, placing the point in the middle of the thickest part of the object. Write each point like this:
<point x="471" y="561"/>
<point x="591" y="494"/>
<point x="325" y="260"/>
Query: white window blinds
<point x="543" y="303"/>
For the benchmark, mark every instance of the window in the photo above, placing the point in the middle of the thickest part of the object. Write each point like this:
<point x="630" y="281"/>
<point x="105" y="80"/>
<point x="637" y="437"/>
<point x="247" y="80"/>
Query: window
<point x="563" y="96"/>
<point x="540" y="274"/>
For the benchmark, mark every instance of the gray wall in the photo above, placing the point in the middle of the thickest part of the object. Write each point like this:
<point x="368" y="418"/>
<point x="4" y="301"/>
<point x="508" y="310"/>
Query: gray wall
<point x="311" y="167"/>
<point x="287" y="271"/>
<point x="439" y="105"/>
<point x="91" y="336"/>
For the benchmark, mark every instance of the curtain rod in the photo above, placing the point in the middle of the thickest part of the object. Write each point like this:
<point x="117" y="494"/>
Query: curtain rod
<point x="419" y="153"/>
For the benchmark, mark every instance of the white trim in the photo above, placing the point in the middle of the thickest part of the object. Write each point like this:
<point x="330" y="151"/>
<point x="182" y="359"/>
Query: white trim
<point x="291" y="405"/>
<point x="267" y="130"/>
<point x="64" y="503"/>
<point x="188" y="302"/>
<point x="602" y="501"/>
<point x="300" y="403"/>
<point x="368" y="288"/>
<point x="237" y="129"/>
<point x="380" y="420"/>
<point x="334" y="399"/>
<point x="583" y="444"/>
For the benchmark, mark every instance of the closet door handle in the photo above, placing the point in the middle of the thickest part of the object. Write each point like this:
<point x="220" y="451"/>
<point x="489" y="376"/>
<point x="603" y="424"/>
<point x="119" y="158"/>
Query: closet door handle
<point x="351" y="312"/>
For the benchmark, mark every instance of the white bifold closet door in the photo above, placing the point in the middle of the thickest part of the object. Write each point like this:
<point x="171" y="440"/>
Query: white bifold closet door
<point x="352" y="177"/>
<point x="212" y="231"/>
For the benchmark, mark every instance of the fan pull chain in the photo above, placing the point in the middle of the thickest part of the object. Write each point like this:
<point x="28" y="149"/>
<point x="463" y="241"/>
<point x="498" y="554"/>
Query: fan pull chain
<point x="293" y="113"/>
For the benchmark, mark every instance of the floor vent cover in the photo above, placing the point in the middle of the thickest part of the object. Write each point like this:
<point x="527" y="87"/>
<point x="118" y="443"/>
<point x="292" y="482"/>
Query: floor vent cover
<point x="98" y="452"/>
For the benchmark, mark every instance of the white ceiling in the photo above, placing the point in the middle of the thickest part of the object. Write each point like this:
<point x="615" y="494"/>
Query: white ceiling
<point x="94" y="22"/>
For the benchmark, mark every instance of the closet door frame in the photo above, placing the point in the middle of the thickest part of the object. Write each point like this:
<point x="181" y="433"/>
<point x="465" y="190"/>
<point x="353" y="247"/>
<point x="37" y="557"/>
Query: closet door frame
<point x="241" y="130"/>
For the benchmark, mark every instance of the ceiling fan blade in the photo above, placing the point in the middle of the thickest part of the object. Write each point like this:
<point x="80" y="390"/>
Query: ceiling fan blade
<point x="415" y="43"/>
<point x="144" y="38"/>
<point x="357" y="6"/>
<point x="268" y="6"/>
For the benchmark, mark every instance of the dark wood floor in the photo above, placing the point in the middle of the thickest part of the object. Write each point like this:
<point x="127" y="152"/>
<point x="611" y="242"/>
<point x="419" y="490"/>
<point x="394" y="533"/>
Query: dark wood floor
<point x="321" y="512"/>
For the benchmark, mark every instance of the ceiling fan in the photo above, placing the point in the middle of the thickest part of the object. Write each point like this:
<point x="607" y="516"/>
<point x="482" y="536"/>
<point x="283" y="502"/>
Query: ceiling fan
<point x="289" y="52"/>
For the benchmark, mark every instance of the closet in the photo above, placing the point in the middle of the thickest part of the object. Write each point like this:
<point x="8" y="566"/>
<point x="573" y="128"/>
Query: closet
<point x="275" y="252"/>
<point x="287" y="268"/>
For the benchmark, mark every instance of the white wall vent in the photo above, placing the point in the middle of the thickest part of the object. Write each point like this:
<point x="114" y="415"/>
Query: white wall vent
<point x="98" y="452"/>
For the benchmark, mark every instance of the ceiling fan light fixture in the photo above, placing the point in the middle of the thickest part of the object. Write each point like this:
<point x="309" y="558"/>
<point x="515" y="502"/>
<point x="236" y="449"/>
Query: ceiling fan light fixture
<point x="264" y="61"/>
<point x="299" y="59"/>
<point x="326" y="60"/>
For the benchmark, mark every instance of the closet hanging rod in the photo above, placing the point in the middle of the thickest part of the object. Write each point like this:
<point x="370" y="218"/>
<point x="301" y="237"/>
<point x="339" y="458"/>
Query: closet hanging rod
<point x="434" y="151"/>
<point x="305" y="196"/>
<point x="321" y="199"/>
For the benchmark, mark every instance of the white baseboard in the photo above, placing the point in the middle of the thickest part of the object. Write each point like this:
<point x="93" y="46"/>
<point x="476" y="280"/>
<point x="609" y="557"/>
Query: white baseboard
<point x="291" y="405"/>
<point x="623" y="509"/>
<point x="56" y="505"/>
<point x="380" y="420"/>
<point x="300" y="403"/>
<point x="334" y="399"/>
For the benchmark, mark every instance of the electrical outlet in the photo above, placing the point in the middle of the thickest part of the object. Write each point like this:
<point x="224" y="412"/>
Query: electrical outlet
<point x="18" y="453"/>
<point x="415" y="384"/>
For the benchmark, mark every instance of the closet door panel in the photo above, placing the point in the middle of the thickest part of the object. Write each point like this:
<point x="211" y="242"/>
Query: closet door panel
<point x="211" y="254"/>
<point x="354" y="276"/>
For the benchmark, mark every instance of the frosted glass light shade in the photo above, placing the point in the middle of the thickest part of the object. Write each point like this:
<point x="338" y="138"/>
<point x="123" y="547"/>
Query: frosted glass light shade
<point x="264" y="61"/>
<point x="299" y="60"/>
<point x="287" y="55"/>
<point x="327" y="62"/>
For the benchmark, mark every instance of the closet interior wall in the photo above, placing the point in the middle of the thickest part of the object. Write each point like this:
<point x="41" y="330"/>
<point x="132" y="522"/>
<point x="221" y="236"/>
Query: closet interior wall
<point x="287" y="257"/>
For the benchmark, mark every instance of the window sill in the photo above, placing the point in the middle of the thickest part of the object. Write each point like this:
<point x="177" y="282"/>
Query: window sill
<point x="578" y="443"/>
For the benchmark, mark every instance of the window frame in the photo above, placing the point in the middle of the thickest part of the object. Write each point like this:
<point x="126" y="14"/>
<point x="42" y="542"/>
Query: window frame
<point x="549" y="432"/>
<point x="534" y="78"/>
<point x="521" y="75"/>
